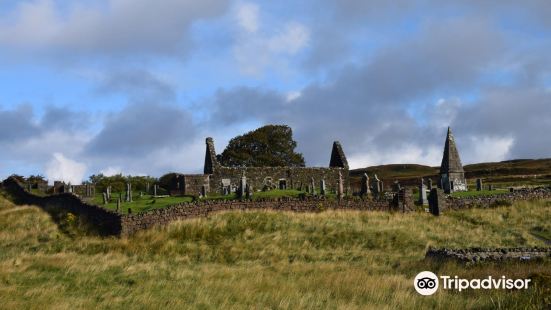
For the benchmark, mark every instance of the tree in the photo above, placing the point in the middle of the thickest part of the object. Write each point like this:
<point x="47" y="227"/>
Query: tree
<point x="268" y="146"/>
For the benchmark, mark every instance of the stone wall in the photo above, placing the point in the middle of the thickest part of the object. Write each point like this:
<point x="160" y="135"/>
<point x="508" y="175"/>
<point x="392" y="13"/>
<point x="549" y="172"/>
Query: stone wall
<point x="135" y="222"/>
<point x="498" y="199"/>
<point x="475" y="255"/>
<point x="292" y="177"/>
<point x="105" y="222"/>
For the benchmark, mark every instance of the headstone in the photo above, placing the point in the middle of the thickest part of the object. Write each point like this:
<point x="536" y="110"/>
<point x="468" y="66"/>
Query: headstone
<point x="376" y="185"/>
<point x="248" y="191"/>
<point x="423" y="194"/>
<point x="478" y="185"/>
<point x="430" y="184"/>
<point x="322" y="187"/>
<point x="104" y="198"/>
<point x="242" y="186"/>
<point x="437" y="201"/>
<point x="204" y="191"/>
<point x="312" y="186"/>
<point x="381" y="187"/>
<point x="340" y="187"/>
<point x="396" y="186"/>
<point x="128" y="192"/>
<point x="365" y="185"/>
<point x="118" y="205"/>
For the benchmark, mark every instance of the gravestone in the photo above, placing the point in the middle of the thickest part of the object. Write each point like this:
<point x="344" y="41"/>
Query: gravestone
<point x="104" y="198"/>
<point x="423" y="194"/>
<point x="248" y="191"/>
<point x="376" y="185"/>
<point x="204" y="191"/>
<point x="340" y="187"/>
<point x="312" y="186"/>
<point x="478" y="185"/>
<point x="430" y="184"/>
<point x="437" y="201"/>
<point x="364" y="190"/>
<point x="322" y="187"/>
<point x="118" y="204"/>
<point x="396" y="187"/>
<point x="242" y="186"/>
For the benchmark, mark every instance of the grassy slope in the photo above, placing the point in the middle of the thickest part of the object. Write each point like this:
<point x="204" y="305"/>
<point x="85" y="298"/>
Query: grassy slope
<point x="262" y="260"/>
<point x="504" y="174"/>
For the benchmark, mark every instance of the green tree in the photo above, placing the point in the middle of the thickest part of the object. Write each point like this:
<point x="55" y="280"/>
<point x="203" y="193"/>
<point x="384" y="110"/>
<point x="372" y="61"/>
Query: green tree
<point x="268" y="146"/>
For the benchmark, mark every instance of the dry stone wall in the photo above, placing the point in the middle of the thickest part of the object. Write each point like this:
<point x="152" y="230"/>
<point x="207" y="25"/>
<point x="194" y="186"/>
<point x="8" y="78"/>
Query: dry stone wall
<point x="475" y="255"/>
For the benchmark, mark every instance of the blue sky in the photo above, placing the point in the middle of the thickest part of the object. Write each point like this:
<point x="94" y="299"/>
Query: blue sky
<point x="135" y="86"/>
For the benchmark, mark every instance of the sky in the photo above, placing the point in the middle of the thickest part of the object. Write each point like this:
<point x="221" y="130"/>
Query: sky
<point x="135" y="86"/>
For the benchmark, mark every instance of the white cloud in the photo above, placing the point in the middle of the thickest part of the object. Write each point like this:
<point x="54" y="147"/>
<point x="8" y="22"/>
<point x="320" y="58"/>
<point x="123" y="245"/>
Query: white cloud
<point x="65" y="169"/>
<point x="488" y="149"/>
<point x="109" y="28"/>
<point x="247" y="17"/>
<point x="257" y="51"/>
<point x="293" y="95"/>
<point x="290" y="40"/>
<point x="111" y="171"/>
<point x="408" y="154"/>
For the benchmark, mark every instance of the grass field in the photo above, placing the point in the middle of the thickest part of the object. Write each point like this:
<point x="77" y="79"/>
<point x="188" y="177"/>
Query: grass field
<point x="149" y="202"/>
<point x="266" y="260"/>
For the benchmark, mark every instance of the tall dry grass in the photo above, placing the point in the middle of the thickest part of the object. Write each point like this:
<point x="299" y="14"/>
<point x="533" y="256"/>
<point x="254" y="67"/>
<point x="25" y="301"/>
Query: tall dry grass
<point x="337" y="260"/>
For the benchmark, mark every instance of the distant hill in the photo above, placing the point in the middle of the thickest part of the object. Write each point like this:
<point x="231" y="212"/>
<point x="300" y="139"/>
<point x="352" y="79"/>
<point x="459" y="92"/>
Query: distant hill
<point x="504" y="172"/>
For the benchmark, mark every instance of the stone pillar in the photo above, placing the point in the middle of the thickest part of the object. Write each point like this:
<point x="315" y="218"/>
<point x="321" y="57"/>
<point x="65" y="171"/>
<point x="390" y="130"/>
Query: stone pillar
<point x="376" y="185"/>
<point x="340" y="187"/>
<point x="478" y="185"/>
<point x="365" y="185"/>
<point x="248" y="191"/>
<point x="322" y="187"/>
<point x="423" y="194"/>
<point x="396" y="186"/>
<point x="312" y="186"/>
<point x="430" y="184"/>
<point x="155" y="190"/>
<point x="242" y="186"/>
<point x="437" y="201"/>
<point x="147" y="188"/>
<point x="104" y="198"/>
<point x="203" y="191"/>
<point x="119" y="204"/>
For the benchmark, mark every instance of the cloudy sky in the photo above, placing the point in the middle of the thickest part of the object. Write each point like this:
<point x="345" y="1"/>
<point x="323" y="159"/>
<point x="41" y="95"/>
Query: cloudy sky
<point x="135" y="86"/>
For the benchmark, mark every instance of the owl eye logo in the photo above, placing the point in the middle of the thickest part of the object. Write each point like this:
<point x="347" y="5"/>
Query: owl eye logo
<point x="426" y="283"/>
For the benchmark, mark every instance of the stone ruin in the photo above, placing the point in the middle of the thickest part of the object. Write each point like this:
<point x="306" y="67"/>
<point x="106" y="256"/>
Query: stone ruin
<point x="452" y="175"/>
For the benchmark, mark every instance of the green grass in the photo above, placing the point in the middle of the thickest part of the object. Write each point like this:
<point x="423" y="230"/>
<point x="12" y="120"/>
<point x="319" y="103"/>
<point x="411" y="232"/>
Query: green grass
<point x="479" y="193"/>
<point x="266" y="260"/>
<point x="140" y="204"/>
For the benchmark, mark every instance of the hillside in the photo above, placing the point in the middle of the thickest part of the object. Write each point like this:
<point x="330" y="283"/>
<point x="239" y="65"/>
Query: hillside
<point x="505" y="173"/>
<point x="249" y="260"/>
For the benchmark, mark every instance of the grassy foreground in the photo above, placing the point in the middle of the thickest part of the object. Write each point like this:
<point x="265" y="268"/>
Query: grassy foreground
<point x="332" y="260"/>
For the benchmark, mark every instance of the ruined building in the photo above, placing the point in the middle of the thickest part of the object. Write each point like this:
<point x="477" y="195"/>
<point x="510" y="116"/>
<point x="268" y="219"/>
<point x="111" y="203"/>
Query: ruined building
<point x="452" y="175"/>
<point x="226" y="179"/>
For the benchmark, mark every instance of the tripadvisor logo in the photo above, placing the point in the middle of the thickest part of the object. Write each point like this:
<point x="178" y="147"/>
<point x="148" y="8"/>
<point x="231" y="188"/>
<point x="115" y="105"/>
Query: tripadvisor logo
<point x="426" y="283"/>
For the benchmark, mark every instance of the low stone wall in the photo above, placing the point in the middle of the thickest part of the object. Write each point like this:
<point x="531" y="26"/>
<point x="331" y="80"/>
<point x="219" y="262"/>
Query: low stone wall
<point x="475" y="255"/>
<point x="498" y="199"/>
<point x="106" y="222"/>
<point x="134" y="222"/>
